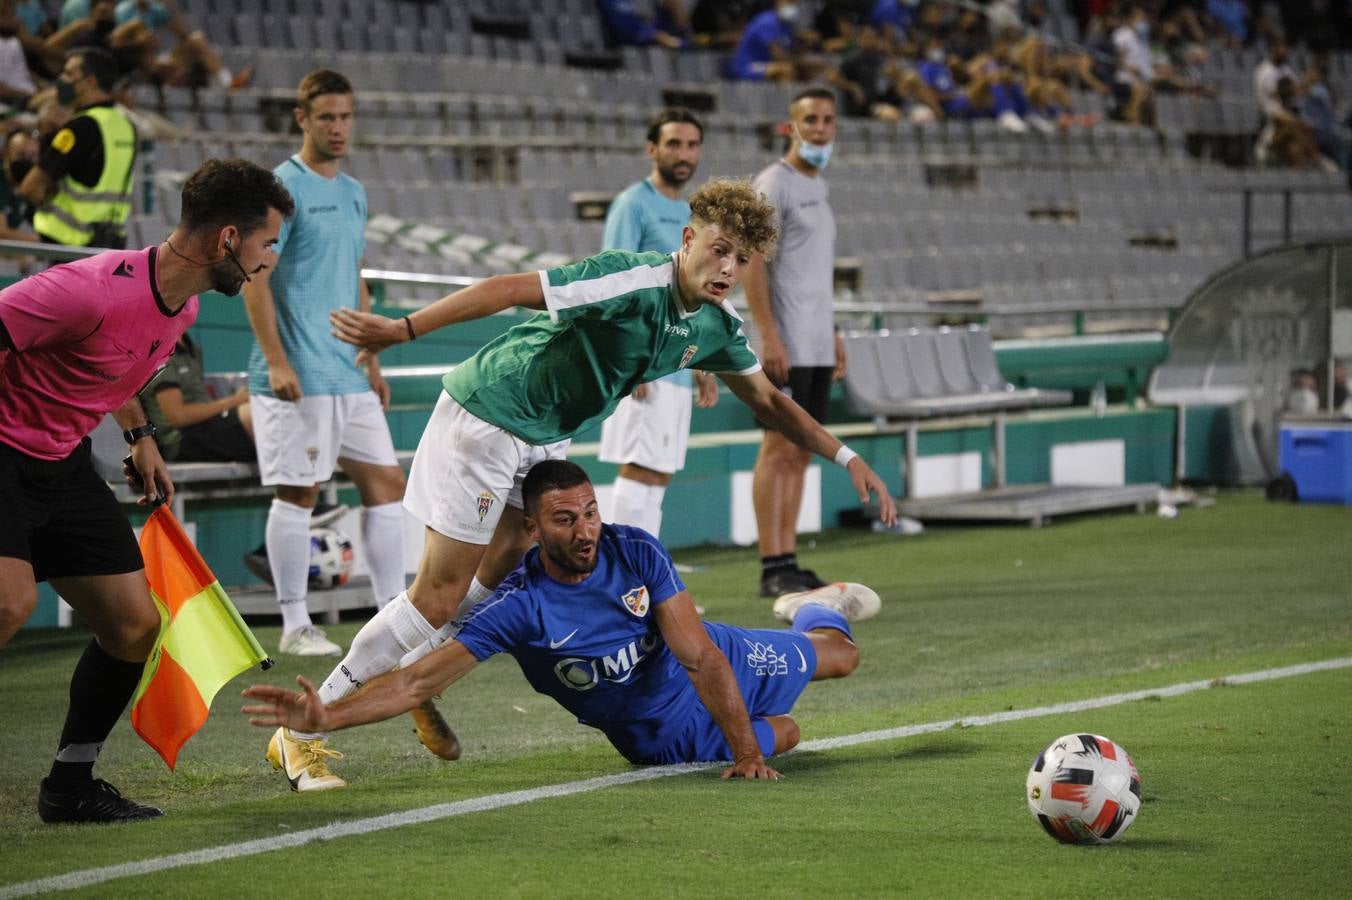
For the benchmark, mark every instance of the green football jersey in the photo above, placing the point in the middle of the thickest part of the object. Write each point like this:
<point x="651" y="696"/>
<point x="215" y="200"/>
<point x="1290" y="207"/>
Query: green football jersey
<point x="612" y="321"/>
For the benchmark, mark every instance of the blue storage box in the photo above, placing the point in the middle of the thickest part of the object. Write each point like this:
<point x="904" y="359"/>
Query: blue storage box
<point x="1318" y="456"/>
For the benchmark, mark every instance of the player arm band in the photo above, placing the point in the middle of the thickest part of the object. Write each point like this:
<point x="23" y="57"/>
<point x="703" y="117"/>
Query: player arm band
<point x="844" y="455"/>
<point x="408" y="323"/>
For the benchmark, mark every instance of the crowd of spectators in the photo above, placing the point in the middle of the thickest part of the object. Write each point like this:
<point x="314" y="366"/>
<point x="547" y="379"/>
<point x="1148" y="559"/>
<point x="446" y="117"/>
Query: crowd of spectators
<point x="927" y="60"/>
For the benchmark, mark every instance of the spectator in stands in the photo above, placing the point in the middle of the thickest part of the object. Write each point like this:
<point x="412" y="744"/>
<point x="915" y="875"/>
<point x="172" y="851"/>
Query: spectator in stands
<point x="1320" y="112"/>
<point x="719" y="23"/>
<point x="1270" y="70"/>
<point x="20" y="155"/>
<point x="33" y="16"/>
<point x="1232" y="19"/>
<point x="791" y="299"/>
<point x="625" y="24"/>
<point x="16" y="81"/>
<point x="894" y="18"/>
<point x="648" y="432"/>
<point x="871" y="79"/>
<point x="1134" y="78"/>
<point x="191" y="424"/>
<point x="82" y="184"/>
<point x="192" y="62"/>
<point x="1293" y="138"/>
<point x="988" y="93"/>
<point x="772" y="47"/>
<point x="313" y="407"/>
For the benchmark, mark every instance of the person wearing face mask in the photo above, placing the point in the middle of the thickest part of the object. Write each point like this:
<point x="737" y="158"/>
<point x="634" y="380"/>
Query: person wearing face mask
<point x="82" y="184"/>
<point x="791" y="298"/>
<point x="766" y="50"/>
<point x="77" y="341"/>
<point x="20" y="154"/>
<point x="1135" y="74"/>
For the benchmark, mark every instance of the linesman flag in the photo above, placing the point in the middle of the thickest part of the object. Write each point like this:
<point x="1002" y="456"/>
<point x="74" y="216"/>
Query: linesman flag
<point x="202" y="644"/>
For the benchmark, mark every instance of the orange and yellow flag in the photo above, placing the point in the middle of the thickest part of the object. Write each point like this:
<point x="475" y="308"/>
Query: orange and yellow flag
<point x="203" y="642"/>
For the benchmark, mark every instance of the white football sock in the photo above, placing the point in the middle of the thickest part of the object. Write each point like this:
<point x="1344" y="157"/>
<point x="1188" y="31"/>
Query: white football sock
<point x="224" y="76"/>
<point x="477" y="592"/>
<point x="393" y="631"/>
<point x="382" y="530"/>
<point x="653" y="521"/>
<point x="628" y="501"/>
<point x="288" y="542"/>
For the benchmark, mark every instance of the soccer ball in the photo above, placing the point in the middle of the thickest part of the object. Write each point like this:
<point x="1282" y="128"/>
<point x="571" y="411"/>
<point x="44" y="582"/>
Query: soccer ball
<point x="1083" y="789"/>
<point x="330" y="558"/>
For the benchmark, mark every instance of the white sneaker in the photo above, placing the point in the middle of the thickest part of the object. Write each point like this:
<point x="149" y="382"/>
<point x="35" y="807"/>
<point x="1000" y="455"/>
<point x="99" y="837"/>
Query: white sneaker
<point x="1010" y="121"/>
<point x="852" y="600"/>
<point x="304" y="763"/>
<point x="308" y="640"/>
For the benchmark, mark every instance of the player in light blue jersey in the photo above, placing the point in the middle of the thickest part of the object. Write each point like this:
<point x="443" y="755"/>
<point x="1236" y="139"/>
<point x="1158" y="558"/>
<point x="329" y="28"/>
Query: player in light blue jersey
<point x="648" y="432"/>
<point x="314" y="406"/>
<point x="598" y="619"/>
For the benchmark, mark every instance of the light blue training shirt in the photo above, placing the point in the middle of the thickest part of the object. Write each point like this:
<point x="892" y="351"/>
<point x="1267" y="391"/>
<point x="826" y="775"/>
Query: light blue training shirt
<point x="319" y="255"/>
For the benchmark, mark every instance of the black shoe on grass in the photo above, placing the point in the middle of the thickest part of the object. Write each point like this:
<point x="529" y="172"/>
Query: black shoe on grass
<point x="97" y="802"/>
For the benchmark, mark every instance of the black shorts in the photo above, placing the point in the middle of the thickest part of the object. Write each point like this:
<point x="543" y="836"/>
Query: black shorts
<point x="62" y="518"/>
<point x="810" y="388"/>
<point x="218" y="439"/>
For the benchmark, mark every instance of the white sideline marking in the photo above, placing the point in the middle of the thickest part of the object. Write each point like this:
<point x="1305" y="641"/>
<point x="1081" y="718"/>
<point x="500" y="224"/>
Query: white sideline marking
<point x="88" y="877"/>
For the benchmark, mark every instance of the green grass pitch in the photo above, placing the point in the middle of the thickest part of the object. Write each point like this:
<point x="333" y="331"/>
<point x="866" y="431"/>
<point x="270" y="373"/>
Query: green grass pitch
<point x="1247" y="788"/>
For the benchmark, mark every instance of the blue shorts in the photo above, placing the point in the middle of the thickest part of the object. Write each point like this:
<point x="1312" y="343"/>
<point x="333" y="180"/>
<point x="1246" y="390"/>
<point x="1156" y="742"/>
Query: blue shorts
<point x="771" y="667"/>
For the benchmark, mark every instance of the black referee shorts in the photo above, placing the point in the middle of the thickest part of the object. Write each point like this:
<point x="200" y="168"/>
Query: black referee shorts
<point x="810" y="388"/>
<point x="61" y="517"/>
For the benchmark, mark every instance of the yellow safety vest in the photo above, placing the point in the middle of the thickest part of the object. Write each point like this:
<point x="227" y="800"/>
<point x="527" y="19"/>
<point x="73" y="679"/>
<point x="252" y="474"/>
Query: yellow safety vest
<point x="71" y="215"/>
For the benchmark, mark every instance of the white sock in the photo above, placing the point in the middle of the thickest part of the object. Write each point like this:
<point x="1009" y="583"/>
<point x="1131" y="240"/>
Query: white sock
<point x="477" y="592"/>
<point x="382" y="530"/>
<point x="653" y="521"/>
<point x="224" y="76"/>
<point x="393" y="631"/>
<point x="288" y="542"/>
<point x="628" y="500"/>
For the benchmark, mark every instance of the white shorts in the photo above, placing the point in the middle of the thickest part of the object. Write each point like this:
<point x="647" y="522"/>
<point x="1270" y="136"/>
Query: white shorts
<point x="299" y="443"/>
<point x="652" y="432"/>
<point x="465" y="470"/>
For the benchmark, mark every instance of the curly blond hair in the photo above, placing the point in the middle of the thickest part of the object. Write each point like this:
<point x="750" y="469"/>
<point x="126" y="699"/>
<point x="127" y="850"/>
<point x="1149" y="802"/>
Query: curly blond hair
<point x="737" y="208"/>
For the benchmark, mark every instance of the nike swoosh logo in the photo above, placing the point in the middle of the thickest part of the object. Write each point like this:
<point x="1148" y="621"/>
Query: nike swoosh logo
<point x="554" y="645"/>
<point x="801" y="658"/>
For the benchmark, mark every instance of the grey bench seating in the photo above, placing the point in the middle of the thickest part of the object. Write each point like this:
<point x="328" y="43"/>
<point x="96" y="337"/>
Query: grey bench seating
<point x="926" y="373"/>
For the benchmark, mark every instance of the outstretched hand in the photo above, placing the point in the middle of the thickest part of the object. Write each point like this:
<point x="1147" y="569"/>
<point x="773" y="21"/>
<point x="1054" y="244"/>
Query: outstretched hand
<point x="369" y="331"/>
<point x="867" y="481"/>
<point x="298" y="710"/>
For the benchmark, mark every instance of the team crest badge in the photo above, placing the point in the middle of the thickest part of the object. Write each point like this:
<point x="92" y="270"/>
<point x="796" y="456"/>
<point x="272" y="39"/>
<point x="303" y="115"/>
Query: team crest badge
<point x="636" y="600"/>
<point x="485" y="504"/>
<point x="688" y="355"/>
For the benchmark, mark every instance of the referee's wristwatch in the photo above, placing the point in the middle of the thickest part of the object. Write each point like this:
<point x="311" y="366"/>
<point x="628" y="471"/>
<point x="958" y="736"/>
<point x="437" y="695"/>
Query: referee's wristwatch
<point x="140" y="431"/>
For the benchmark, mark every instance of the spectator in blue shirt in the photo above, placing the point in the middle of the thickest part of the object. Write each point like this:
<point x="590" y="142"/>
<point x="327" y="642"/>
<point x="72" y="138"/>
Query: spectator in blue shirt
<point x="626" y="24"/>
<point x="767" y="46"/>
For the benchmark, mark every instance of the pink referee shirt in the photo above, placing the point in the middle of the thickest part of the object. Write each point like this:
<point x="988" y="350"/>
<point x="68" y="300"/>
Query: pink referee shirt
<point x="87" y="336"/>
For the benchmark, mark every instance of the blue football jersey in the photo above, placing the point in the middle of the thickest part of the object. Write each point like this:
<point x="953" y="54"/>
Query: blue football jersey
<point x="595" y="646"/>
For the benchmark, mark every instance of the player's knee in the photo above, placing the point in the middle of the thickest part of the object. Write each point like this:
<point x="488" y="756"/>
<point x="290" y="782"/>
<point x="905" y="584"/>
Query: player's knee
<point x="132" y="636"/>
<point x="16" y="605"/>
<point x="787" y="734"/>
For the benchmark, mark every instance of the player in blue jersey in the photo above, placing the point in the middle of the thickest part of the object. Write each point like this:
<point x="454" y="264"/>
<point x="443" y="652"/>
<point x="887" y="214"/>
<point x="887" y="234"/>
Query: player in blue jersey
<point x="313" y="406"/>
<point x="648" y="432"/>
<point x="598" y="619"/>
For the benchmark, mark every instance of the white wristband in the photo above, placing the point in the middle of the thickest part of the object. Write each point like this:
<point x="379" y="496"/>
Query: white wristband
<point x="844" y="455"/>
